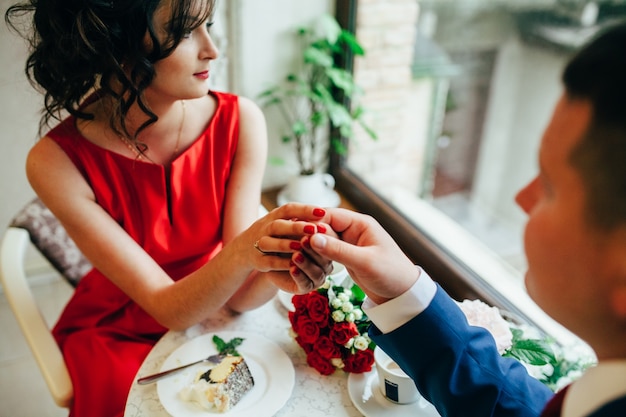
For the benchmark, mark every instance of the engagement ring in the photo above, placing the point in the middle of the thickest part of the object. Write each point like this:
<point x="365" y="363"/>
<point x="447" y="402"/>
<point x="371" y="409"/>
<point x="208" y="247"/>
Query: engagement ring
<point x="256" y="246"/>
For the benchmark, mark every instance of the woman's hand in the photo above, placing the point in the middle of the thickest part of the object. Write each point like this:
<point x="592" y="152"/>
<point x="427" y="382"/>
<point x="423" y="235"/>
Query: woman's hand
<point x="281" y="248"/>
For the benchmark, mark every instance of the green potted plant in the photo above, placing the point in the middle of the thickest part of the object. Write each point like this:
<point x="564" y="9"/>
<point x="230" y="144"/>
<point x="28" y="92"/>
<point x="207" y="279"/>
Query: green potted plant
<point x="307" y="104"/>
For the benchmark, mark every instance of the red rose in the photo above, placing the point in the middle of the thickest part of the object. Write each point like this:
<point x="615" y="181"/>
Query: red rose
<point x="360" y="361"/>
<point x="317" y="361"/>
<point x="294" y="316"/>
<point x="318" y="308"/>
<point x="299" y="301"/>
<point x="307" y="329"/>
<point x="307" y="347"/>
<point x="326" y="348"/>
<point x="342" y="332"/>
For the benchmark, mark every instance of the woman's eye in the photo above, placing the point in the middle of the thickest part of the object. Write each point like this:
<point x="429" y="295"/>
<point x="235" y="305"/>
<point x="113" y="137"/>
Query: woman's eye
<point x="208" y="26"/>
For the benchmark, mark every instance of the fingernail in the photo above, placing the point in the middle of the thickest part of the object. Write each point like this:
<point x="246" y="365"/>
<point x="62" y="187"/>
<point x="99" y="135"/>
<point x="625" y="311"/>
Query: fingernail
<point x="295" y="271"/>
<point x="321" y="229"/>
<point x="299" y="258"/>
<point x="295" y="245"/>
<point x="309" y="229"/>
<point x="319" y="212"/>
<point x="319" y="241"/>
<point x="306" y="242"/>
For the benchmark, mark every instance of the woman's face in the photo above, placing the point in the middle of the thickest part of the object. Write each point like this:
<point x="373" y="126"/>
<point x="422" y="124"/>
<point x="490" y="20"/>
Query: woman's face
<point x="184" y="74"/>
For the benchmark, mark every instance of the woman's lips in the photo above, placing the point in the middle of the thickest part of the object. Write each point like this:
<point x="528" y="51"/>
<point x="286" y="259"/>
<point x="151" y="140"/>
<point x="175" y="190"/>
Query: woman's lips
<point x="202" y="75"/>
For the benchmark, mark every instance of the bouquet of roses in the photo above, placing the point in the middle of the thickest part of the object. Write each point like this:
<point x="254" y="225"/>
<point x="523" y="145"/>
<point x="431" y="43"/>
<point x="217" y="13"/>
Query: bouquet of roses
<point x="330" y="326"/>
<point x="541" y="355"/>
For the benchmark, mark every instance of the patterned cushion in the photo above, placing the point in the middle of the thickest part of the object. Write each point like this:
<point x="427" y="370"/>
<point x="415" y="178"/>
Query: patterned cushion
<point x="49" y="236"/>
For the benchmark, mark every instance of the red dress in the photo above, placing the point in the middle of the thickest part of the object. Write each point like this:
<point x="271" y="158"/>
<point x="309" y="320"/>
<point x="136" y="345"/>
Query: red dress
<point x="103" y="334"/>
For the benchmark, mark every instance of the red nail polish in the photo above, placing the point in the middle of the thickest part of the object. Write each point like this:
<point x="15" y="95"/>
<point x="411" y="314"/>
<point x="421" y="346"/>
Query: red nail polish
<point x="306" y="242"/>
<point x="319" y="212"/>
<point x="321" y="229"/>
<point x="309" y="229"/>
<point x="295" y="272"/>
<point x="295" y="245"/>
<point x="298" y="258"/>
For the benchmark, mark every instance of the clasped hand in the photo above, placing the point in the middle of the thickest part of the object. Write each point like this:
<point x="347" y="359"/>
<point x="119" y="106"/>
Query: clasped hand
<point x="371" y="256"/>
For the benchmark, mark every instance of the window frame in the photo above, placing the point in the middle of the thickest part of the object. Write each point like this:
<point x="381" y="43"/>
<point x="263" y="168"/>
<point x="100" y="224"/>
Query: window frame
<point x="454" y="276"/>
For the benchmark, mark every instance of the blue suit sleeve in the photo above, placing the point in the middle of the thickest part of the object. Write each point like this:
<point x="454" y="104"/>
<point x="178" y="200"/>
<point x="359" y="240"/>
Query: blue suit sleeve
<point x="457" y="366"/>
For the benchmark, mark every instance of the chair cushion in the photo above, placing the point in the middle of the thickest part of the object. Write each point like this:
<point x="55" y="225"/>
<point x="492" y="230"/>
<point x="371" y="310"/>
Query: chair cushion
<point x="49" y="236"/>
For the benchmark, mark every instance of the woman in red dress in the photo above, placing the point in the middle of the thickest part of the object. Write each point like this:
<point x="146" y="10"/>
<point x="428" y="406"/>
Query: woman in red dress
<point x="156" y="179"/>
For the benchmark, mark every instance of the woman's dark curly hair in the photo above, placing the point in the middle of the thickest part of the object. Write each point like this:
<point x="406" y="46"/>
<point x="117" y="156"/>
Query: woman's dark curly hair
<point x="81" y="47"/>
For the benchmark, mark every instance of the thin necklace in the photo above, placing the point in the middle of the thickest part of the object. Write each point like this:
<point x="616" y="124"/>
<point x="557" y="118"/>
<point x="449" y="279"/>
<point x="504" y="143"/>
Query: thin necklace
<point x="142" y="153"/>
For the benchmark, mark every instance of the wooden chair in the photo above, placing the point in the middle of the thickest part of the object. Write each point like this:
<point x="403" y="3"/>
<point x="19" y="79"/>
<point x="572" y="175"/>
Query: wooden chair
<point x="36" y="225"/>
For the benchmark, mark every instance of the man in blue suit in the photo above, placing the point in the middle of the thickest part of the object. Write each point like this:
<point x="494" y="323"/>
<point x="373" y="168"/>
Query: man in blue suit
<point x="575" y="242"/>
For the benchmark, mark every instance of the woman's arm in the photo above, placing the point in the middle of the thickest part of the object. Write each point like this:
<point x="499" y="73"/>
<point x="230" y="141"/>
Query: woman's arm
<point x="176" y="305"/>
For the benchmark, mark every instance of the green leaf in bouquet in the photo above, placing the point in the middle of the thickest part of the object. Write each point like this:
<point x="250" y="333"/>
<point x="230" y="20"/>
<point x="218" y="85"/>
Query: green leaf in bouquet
<point x="358" y="293"/>
<point x="532" y="351"/>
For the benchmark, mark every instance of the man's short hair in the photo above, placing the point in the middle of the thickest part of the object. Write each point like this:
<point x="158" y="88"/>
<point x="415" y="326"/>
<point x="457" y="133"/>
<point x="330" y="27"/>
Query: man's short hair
<point x="598" y="73"/>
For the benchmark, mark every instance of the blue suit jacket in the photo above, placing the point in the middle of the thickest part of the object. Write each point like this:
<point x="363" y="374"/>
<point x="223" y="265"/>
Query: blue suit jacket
<point x="458" y="368"/>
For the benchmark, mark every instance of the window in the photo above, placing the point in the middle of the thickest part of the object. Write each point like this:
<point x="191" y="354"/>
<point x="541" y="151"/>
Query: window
<point x="459" y="93"/>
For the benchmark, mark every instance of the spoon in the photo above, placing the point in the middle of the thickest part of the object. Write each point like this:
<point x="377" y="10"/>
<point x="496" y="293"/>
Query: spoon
<point x="155" y="377"/>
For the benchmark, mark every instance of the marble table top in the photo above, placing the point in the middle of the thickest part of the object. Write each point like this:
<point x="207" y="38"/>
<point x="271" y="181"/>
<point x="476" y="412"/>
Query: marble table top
<point x="313" y="395"/>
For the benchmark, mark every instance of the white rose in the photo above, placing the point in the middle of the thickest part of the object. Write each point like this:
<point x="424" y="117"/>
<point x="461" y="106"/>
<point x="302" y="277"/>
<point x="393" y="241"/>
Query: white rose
<point x="338" y="316"/>
<point x="361" y="343"/>
<point x="344" y="296"/>
<point x="336" y="303"/>
<point x="347" y="307"/>
<point x="337" y="363"/>
<point x="483" y="315"/>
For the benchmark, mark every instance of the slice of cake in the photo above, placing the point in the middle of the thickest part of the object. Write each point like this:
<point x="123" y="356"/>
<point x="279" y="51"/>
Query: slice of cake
<point x="222" y="386"/>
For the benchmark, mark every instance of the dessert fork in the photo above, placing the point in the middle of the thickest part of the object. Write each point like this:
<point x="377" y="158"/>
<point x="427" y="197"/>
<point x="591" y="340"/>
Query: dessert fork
<point x="155" y="377"/>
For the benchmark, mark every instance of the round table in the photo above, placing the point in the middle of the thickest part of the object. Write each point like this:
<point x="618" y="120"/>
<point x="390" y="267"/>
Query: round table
<point x="313" y="395"/>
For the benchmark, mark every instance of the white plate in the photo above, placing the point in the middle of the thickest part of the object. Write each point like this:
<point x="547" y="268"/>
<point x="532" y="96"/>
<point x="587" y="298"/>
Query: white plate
<point x="271" y="368"/>
<point x="366" y="396"/>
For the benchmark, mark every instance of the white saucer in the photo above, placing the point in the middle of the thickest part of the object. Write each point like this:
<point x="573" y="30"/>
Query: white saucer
<point x="330" y="199"/>
<point x="365" y="394"/>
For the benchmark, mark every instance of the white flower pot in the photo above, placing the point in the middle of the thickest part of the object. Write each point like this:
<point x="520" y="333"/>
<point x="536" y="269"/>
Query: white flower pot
<point x="316" y="189"/>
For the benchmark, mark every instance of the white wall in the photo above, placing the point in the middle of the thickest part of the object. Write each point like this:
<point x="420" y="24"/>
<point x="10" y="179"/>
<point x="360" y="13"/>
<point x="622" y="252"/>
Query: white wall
<point x="259" y="48"/>
<point x="265" y="53"/>
<point x="19" y="122"/>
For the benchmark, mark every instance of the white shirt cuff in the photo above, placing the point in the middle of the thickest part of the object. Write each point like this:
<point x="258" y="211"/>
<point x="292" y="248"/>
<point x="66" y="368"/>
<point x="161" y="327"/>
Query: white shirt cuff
<point x="398" y="311"/>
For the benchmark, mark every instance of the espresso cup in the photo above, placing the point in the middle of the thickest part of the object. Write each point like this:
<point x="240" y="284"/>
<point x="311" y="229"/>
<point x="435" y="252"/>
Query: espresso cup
<point x="395" y="385"/>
